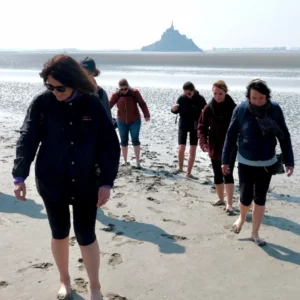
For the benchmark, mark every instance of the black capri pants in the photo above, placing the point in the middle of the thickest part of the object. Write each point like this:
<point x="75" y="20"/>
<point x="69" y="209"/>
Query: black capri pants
<point x="219" y="177"/>
<point x="57" y="204"/>
<point x="254" y="184"/>
<point x="182" y="137"/>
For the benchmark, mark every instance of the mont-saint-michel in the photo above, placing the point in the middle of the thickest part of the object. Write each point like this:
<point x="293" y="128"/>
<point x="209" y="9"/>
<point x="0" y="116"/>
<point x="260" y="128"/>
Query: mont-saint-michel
<point x="172" y="41"/>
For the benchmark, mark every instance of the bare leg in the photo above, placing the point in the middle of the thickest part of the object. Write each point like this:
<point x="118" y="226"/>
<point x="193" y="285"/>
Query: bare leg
<point x="181" y="153"/>
<point x="229" y="195"/>
<point x="257" y="217"/>
<point x="60" y="250"/>
<point x="191" y="161"/>
<point x="137" y="151"/>
<point x="91" y="260"/>
<point x="220" y="191"/>
<point x="125" y="154"/>
<point x="238" y="224"/>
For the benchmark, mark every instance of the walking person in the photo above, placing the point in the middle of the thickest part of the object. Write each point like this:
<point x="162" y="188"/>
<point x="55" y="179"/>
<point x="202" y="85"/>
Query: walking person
<point x="212" y="129"/>
<point x="189" y="107"/>
<point x="90" y="66"/>
<point x="129" y="121"/>
<point x="257" y="123"/>
<point x="76" y="164"/>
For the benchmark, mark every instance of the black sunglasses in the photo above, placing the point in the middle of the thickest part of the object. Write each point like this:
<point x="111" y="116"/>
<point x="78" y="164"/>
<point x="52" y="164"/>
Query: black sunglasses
<point x="124" y="89"/>
<point x="60" y="89"/>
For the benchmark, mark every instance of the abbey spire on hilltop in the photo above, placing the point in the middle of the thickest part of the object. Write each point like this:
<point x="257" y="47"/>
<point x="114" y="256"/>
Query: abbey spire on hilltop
<point x="172" y="41"/>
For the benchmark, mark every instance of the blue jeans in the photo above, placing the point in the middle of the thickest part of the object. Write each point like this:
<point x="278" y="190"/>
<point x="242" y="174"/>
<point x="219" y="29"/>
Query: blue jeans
<point x="133" y="129"/>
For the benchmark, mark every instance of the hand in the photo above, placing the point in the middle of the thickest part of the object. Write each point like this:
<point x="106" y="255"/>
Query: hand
<point x="205" y="148"/>
<point x="147" y="119"/>
<point x="226" y="169"/>
<point x="289" y="171"/>
<point x="175" y="107"/>
<point x="103" y="196"/>
<point x="20" y="191"/>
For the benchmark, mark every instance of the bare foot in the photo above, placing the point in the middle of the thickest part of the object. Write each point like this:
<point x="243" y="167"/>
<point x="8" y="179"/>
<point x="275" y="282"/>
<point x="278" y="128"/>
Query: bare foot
<point x="64" y="292"/>
<point x="178" y="171"/>
<point x="237" y="226"/>
<point x="96" y="295"/>
<point x="257" y="240"/>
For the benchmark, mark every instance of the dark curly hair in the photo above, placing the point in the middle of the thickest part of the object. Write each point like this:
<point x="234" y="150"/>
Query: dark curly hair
<point x="68" y="71"/>
<point x="259" y="86"/>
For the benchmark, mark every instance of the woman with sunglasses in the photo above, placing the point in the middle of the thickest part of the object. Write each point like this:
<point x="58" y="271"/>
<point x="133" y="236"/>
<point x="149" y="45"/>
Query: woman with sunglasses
<point x="189" y="107"/>
<point x="90" y="66"/>
<point x="127" y="100"/>
<point x="76" y="165"/>
<point x="256" y="124"/>
<point x="212" y="129"/>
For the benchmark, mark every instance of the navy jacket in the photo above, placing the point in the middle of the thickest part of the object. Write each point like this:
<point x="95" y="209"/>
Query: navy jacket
<point x="252" y="145"/>
<point x="78" y="143"/>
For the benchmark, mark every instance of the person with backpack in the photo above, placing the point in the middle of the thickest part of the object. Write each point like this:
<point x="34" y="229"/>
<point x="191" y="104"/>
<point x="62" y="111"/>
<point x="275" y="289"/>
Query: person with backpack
<point x="189" y="107"/>
<point x="90" y="66"/>
<point x="127" y="100"/>
<point x="77" y="162"/>
<point x="212" y="128"/>
<point x="257" y="123"/>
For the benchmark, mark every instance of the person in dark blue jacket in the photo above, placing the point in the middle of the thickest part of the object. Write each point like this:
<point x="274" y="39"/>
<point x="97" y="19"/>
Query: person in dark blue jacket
<point x="76" y="165"/>
<point x="90" y="66"/>
<point x="257" y="123"/>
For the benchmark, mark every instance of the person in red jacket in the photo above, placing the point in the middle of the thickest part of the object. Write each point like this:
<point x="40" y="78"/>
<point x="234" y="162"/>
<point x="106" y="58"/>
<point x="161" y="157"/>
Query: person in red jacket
<point x="212" y="129"/>
<point x="127" y="100"/>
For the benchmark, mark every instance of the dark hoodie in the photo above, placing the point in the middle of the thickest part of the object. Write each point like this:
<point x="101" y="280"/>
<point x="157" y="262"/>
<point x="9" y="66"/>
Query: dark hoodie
<point x="213" y="126"/>
<point x="189" y="111"/>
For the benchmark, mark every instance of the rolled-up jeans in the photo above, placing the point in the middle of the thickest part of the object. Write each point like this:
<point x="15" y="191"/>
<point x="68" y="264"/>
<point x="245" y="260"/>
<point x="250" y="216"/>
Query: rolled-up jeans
<point x="133" y="129"/>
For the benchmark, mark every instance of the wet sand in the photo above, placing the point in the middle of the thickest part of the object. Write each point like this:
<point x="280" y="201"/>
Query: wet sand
<point x="160" y="237"/>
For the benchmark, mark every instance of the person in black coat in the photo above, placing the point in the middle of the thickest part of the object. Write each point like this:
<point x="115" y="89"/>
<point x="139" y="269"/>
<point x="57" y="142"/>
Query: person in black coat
<point x="76" y="164"/>
<point x="189" y="106"/>
<point x="90" y="66"/>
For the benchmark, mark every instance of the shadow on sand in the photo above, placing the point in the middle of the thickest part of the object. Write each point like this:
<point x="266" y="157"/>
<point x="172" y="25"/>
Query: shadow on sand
<point x="279" y="252"/>
<point x="288" y="198"/>
<point x="10" y="205"/>
<point x="143" y="232"/>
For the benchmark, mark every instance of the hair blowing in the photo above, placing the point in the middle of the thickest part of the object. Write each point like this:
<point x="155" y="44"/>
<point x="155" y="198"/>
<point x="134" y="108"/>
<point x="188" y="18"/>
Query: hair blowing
<point x="260" y="86"/>
<point x="68" y="72"/>
<point x="221" y="85"/>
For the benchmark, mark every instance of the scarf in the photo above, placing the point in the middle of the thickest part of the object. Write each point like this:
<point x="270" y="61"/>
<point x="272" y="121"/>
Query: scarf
<point x="267" y="125"/>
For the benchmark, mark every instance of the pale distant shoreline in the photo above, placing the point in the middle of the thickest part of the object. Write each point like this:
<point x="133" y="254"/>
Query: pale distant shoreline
<point x="272" y="60"/>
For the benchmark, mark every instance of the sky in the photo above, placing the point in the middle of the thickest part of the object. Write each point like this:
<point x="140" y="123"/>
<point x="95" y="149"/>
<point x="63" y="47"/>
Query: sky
<point x="131" y="24"/>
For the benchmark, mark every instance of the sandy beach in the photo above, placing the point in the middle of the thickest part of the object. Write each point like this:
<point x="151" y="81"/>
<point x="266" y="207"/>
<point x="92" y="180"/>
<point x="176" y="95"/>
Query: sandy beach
<point x="160" y="236"/>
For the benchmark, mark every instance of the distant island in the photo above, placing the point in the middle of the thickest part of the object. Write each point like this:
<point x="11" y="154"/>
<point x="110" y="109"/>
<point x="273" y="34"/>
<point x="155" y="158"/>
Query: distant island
<point x="172" y="41"/>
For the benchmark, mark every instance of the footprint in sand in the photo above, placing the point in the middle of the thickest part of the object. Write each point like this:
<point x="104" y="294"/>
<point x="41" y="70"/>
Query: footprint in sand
<point x="154" y="200"/>
<point x="128" y="218"/>
<point x="130" y="242"/>
<point x="115" y="297"/>
<point x="174" y="221"/>
<point x="80" y="285"/>
<point x="152" y="189"/>
<point x="111" y="215"/>
<point x="119" y="195"/>
<point x="115" y="259"/>
<point x="44" y="266"/>
<point x="118" y="236"/>
<point x="174" y="237"/>
<point x="3" y="284"/>
<point x="111" y="228"/>
<point x="80" y="264"/>
<point x="72" y="241"/>
<point x="155" y="210"/>
<point x="121" y="205"/>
